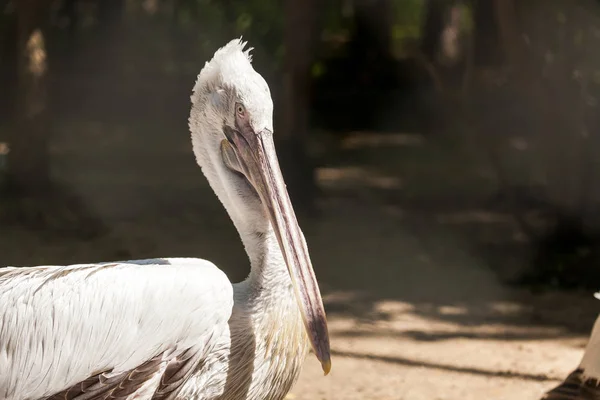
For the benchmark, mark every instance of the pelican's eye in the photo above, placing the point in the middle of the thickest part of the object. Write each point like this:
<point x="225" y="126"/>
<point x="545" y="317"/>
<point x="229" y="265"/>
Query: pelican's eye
<point x="240" y="110"/>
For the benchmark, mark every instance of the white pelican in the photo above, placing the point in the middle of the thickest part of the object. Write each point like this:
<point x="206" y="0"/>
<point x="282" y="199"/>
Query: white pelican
<point x="584" y="382"/>
<point x="176" y="328"/>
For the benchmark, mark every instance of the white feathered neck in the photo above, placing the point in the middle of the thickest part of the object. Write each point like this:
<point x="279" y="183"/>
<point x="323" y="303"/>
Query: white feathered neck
<point x="231" y="67"/>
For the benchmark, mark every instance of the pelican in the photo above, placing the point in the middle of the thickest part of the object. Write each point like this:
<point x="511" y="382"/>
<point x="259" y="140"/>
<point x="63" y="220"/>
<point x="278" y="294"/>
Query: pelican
<point x="583" y="383"/>
<point x="176" y="328"/>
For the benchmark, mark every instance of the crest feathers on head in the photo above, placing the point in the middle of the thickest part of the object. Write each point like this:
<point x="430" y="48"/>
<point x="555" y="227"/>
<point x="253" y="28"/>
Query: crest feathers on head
<point x="232" y="52"/>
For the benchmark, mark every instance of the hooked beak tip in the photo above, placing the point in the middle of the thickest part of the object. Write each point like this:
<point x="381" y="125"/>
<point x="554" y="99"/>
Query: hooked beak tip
<point x="326" y="365"/>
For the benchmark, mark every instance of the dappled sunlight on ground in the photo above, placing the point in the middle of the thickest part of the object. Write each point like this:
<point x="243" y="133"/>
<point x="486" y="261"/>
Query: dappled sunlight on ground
<point x="408" y="356"/>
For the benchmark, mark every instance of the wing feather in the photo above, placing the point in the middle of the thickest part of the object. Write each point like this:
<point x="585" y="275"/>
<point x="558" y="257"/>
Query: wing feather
<point x="102" y="331"/>
<point x="111" y="386"/>
<point x="177" y="373"/>
<point x="574" y="387"/>
<point x="105" y="386"/>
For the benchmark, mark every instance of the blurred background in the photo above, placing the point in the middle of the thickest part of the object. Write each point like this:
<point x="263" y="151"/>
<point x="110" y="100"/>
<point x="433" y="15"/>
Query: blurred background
<point x="443" y="157"/>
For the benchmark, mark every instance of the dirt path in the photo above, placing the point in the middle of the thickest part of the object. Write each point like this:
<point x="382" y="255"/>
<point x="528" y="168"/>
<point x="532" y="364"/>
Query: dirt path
<point x="457" y="366"/>
<point x="439" y="327"/>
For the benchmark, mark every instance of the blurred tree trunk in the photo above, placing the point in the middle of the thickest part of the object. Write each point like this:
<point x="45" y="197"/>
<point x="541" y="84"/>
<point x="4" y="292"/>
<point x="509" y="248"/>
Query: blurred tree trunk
<point x="445" y="42"/>
<point x="376" y="17"/>
<point x="8" y="62"/>
<point x="294" y="123"/>
<point x="432" y="27"/>
<point x="511" y="42"/>
<point x="371" y="46"/>
<point x="486" y="51"/>
<point x="445" y="52"/>
<point x="28" y="165"/>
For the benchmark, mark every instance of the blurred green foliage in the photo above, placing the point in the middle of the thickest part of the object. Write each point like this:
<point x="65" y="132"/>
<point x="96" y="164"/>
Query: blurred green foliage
<point x="407" y="25"/>
<point x="204" y="25"/>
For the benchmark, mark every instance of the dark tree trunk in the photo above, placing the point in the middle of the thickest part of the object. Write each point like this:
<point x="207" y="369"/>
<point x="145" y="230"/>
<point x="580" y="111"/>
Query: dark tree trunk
<point x="28" y="163"/>
<point x="8" y="64"/>
<point x="445" y="53"/>
<point x="376" y="18"/>
<point x="445" y="43"/>
<point x="487" y="51"/>
<point x="371" y="45"/>
<point x="432" y="27"/>
<point x="511" y="42"/>
<point x="294" y="122"/>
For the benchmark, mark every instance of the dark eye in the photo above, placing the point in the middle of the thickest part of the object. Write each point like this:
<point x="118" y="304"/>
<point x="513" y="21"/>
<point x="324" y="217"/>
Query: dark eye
<point x="240" y="110"/>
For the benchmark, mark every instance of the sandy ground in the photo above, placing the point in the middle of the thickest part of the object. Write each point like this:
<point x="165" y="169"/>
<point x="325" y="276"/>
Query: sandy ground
<point x="413" y="315"/>
<point x="448" y="330"/>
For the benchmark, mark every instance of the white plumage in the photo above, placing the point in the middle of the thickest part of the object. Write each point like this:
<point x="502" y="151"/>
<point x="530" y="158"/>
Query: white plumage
<point x="62" y="324"/>
<point x="175" y="327"/>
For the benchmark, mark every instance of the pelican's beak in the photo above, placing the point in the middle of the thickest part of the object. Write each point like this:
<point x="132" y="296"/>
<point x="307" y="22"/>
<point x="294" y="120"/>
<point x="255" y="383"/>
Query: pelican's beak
<point x="253" y="154"/>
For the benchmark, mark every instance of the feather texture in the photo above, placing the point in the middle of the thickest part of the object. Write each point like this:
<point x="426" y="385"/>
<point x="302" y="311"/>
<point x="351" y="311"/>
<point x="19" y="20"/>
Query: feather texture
<point x="575" y="387"/>
<point x="89" y="330"/>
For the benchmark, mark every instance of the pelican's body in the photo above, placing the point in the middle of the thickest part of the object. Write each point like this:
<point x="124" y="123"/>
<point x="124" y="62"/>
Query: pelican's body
<point x="177" y="328"/>
<point x="263" y="364"/>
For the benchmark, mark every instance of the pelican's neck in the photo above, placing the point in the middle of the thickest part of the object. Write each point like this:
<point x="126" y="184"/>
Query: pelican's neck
<point x="268" y="270"/>
<point x="269" y="276"/>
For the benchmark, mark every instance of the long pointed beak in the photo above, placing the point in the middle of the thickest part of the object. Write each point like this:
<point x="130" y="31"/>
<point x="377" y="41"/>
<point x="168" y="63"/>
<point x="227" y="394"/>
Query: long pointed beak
<point x="257" y="159"/>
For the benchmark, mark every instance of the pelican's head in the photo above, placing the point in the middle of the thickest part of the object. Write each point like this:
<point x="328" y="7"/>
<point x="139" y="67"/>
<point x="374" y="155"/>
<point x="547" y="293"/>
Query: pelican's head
<point x="232" y="133"/>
